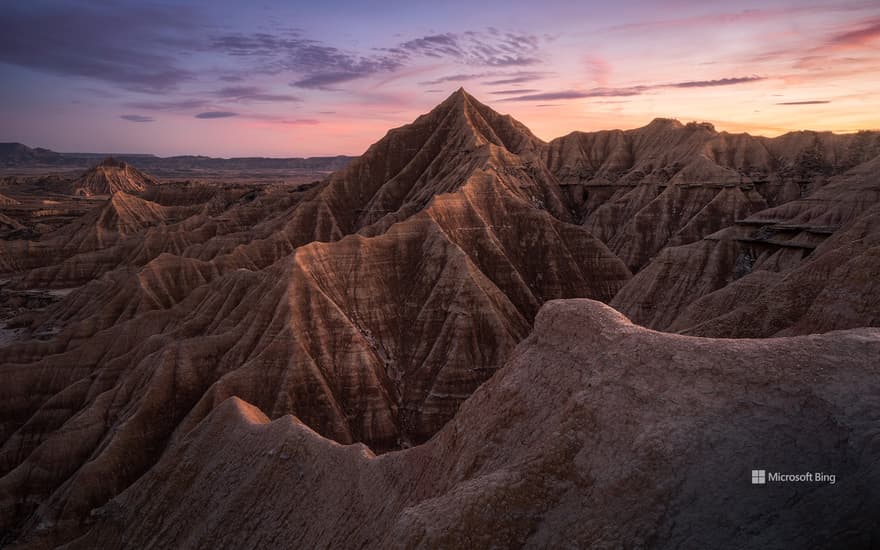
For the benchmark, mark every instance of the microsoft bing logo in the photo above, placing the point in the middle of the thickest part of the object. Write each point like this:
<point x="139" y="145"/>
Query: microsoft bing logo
<point x="761" y="477"/>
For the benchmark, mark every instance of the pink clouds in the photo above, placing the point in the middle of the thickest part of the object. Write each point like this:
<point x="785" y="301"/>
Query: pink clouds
<point x="857" y="38"/>
<point x="744" y="17"/>
<point x="599" y="70"/>
<point x="558" y="66"/>
<point x="700" y="20"/>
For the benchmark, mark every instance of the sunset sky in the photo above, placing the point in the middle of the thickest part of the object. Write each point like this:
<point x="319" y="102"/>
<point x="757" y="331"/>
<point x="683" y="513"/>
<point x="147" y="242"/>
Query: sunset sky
<point x="274" y="78"/>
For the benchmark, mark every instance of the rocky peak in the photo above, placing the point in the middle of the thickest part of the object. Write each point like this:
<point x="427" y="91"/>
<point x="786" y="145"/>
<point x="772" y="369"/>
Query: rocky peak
<point x="665" y="123"/>
<point x="111" y="162"/>
<point x="109" y="176"/>
<point x="462" y="112"/>
<point x="435" y="154"/>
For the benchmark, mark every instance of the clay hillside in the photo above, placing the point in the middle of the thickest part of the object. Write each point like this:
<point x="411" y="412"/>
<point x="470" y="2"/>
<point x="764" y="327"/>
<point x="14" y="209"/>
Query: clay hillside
<point x="110" y="176"/>
<point x="414" y="351"/>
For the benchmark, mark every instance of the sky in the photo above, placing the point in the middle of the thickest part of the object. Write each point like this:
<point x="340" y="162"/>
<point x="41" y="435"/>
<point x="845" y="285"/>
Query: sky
<point x="290" y="78"/>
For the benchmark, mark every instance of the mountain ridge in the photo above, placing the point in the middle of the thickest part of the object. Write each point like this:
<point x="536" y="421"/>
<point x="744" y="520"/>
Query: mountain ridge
<point x="12" y="153"/>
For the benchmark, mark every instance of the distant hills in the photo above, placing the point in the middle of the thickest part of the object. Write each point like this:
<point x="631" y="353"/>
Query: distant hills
<point x="18" y="155"/>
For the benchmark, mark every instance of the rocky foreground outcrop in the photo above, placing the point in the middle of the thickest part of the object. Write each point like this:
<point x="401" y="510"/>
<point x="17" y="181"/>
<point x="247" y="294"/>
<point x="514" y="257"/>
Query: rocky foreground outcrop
<point x="598" y="433"/>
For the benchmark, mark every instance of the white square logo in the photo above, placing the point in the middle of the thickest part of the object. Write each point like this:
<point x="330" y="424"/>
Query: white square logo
<point x="759" y="477"/>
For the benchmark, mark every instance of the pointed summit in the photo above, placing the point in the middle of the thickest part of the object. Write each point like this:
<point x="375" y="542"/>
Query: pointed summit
<point x="459" y="97"/>
<point x="458" y="101"/>
<point x="435" y="154"/>
<point x="460" y="125"/>
<point x="128" y="214"/>
<point x="111" y="162"/>
<point x="480" y="122"/>
<point x="662" y="123"/>
<point x="110" y="176"/>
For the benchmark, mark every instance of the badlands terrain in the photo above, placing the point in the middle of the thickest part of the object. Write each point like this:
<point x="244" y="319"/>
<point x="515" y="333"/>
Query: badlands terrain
<point x="465" y="338"/>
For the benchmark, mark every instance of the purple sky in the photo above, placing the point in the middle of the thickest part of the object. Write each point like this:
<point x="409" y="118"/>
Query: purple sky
<point x="297" y="79"/>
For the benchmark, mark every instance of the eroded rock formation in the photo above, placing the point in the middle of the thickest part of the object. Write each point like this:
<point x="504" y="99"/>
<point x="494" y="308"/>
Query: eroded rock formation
<point x="371" y="306"/>
<point x="245" y="323"/>
<point x="802" y="267"/>
<point x="670" y="184"/>
<point x="109" y="176"/>
<point x="598" y="433"/>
